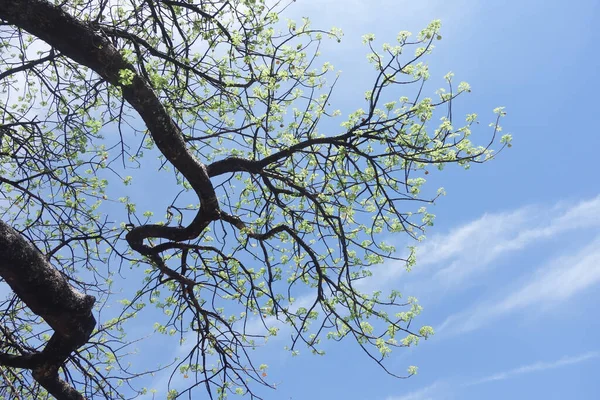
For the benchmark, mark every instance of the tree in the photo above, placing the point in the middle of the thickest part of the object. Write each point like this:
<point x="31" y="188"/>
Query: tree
<point x="285" y="202"/>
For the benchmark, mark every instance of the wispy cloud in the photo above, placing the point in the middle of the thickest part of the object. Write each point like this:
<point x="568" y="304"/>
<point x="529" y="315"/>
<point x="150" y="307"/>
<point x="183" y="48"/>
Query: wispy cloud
<point x="471" y="249"/>
<point x="436" y="391"/>
<point x="446" y="389"/>
<point x="475" y="246"/>
<point x="555" y="282"/>
<point x="536" y="367"/>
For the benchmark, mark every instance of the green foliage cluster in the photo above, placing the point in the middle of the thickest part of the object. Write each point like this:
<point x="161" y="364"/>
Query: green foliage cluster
<point x="306" y="192"/>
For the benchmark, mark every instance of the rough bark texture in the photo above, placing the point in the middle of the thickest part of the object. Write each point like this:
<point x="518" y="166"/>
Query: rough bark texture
<point x="81" y="43"/>
<point x="363" y="177"/>
<point x="47" y="293"/>
<point x="36" y="282"/>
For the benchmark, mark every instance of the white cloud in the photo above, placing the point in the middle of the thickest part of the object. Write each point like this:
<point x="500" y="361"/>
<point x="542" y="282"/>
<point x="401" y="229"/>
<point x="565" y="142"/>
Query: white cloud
<point x="444" y="390"/>
<point x="477" y="244"/>
<point x="438" y="390"/>
<point x="536" y="367"/>
<point x="421" y="394"/>
<point x="555" y="282"/>
<point x="460" y="254"/>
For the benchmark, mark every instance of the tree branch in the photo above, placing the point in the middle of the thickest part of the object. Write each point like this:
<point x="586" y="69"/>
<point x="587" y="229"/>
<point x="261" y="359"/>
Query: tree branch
<point x="48" y="294"/>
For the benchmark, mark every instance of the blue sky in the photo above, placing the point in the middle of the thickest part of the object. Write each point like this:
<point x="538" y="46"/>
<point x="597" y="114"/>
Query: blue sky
<point x="509" y="274"/>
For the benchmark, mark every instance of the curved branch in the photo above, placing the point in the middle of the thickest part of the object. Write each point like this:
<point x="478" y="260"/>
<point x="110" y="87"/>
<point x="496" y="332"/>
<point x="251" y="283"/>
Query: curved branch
<point x="48" y="294"/>
<point x="82" y="44"/>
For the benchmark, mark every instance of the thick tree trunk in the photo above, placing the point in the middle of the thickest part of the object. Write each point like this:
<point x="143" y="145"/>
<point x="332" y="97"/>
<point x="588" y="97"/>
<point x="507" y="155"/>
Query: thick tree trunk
<point x="82" y="44"/>
<point x="25" y="269"/>
<point x="48" y="294"/>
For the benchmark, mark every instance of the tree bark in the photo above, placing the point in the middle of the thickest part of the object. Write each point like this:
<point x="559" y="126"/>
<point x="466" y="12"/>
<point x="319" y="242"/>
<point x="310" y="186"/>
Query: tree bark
<point x="82" y="44"/>
<point x="24" y="268"/>
<point x="48" y="294"/>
